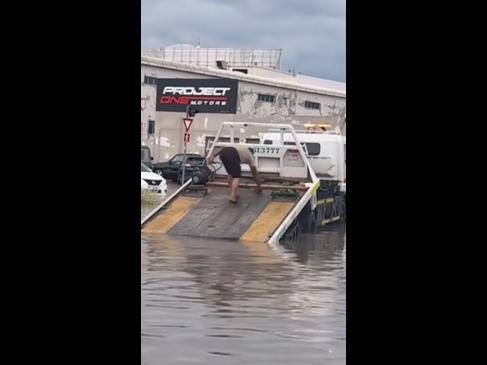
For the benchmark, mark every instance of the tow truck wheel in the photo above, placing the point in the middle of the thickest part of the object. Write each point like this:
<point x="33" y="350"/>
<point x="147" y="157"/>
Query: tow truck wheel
<point x="311" y="223"/>
<point x="292" y="235"/>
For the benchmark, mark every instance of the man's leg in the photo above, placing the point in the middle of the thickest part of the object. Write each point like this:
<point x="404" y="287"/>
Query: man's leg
<point x="230" y="180"/>
<point x="255" y="174"/>
<point x="234" y="193"/>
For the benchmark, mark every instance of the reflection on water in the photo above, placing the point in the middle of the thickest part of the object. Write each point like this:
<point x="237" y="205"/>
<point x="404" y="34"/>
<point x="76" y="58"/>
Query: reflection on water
<point x="226" y="302"/>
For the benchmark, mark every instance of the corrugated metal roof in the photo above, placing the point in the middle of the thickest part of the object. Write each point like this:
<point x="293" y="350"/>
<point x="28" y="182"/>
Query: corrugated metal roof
<point x="302" y="83"/>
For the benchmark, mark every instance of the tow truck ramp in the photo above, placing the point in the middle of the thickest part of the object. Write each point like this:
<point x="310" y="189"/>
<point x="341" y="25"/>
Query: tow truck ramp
<point x="254" y="218"/>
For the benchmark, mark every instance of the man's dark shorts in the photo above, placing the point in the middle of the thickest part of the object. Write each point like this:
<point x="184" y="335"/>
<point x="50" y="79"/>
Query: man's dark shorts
<point x="231" y="161"/>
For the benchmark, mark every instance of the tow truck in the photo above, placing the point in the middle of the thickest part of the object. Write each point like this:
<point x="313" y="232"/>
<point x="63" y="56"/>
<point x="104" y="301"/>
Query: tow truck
<point x="294" y="198"/>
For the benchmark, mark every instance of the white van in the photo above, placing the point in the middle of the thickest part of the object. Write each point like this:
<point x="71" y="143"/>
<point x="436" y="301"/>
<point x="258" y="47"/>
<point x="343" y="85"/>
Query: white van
<point x="326" y="152"/>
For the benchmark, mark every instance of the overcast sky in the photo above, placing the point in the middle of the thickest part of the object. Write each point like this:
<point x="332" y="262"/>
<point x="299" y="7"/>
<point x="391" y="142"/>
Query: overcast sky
<point x="311" y="33"/>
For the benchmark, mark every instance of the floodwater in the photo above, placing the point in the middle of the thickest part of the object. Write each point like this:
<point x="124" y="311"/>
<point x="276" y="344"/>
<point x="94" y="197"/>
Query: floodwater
<point x="224" y="302"/>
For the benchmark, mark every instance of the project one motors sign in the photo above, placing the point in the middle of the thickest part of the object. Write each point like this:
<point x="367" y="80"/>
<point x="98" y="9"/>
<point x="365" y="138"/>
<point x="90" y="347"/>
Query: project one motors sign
<point x="206" y="95"/>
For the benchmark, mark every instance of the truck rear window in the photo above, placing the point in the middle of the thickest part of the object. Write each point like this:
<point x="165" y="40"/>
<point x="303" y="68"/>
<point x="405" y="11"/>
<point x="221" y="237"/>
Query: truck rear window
<point x="313" y="149"/>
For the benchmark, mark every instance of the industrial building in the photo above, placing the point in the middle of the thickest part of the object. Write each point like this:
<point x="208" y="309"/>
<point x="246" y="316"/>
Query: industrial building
<point x="243" y="85"/>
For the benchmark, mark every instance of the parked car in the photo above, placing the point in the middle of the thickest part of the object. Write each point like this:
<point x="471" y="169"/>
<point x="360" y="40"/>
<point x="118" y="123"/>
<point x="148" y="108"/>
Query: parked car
<point x="172" y="168"/>
<point x="145" y="156"/>
<point x="191" y="168"/>
<point x="152" y="181"/>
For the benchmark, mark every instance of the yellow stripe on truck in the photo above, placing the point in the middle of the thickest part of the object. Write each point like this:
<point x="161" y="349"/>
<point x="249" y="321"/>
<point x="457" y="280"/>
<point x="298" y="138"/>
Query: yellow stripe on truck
<point x="315" y="187"/>
<point x="267" y="222"/>
<point x="169" y="217"/>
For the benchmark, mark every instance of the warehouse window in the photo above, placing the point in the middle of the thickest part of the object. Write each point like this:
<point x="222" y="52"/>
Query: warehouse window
<point x="252" y="140"/>
<point x="151" y="127"/>
<point x="243" y="70"/>
<point x="149" y="80"/>
<point x="264" y="97"/>
<point x="311" y="105"/>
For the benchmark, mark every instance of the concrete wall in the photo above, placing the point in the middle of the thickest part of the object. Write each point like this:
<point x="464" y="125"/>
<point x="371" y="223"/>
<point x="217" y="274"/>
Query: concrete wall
<point x="287" y="108"/>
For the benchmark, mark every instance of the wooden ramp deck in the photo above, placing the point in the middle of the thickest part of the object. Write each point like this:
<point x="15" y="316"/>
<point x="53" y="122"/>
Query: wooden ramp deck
<point x="253" y="218"/>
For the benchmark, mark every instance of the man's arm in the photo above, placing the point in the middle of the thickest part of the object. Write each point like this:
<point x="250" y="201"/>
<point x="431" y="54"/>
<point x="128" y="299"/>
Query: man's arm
<point x="251" y="162"/>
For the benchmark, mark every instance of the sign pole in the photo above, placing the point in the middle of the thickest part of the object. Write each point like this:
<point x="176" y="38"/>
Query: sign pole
<point x="186" y="132"/>
<point x="184" y="159"/>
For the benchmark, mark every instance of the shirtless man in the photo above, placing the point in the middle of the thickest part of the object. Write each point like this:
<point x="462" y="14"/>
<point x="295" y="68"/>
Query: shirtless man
<point x="232" y="157"/>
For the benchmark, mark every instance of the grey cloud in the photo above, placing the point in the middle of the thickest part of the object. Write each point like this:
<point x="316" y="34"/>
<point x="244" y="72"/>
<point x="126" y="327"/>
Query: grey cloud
<point x="310" y="32"/>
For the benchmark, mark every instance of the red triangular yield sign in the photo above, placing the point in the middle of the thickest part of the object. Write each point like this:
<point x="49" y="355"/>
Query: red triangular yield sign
<point x="186" y="125"/>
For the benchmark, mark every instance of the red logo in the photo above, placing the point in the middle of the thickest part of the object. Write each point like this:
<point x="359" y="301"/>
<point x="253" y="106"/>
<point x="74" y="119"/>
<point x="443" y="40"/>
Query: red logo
<point x="182" y="100"/>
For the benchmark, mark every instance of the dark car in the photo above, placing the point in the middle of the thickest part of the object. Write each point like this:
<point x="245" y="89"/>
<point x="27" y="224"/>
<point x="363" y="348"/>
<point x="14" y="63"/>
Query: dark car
<point x="172" y="169"/>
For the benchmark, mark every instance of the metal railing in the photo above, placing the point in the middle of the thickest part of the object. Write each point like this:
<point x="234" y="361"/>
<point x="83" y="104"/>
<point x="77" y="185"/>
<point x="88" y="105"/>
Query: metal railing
<point x="207" y="57"/>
